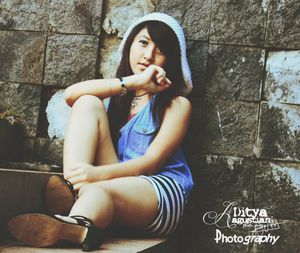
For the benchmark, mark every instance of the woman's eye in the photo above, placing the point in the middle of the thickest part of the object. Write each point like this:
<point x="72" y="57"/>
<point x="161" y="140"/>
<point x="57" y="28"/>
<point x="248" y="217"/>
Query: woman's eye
<point x="144" y="42"/>
<point x="159" y="51"/>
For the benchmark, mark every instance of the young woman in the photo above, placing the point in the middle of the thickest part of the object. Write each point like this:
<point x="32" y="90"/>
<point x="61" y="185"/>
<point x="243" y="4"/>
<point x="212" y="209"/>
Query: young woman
<point x="125" y="164"/>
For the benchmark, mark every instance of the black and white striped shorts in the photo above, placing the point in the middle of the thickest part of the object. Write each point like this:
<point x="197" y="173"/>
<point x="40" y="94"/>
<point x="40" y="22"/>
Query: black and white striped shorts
<point x="170" y="205"/>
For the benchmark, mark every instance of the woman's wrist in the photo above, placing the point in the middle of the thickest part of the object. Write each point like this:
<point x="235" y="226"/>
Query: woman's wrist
<point x="132" y="82"/>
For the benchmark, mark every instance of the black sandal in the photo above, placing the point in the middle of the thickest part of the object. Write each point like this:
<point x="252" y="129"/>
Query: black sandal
<point x="40" y="230"/>
<point x="59" y="195"/>
<point x="95" y="236"/>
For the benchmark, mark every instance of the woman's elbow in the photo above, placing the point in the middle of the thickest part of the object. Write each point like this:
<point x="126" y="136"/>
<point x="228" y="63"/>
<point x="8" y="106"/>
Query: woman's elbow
<point x="68" y="96"/>
<point x="153" y="164"/>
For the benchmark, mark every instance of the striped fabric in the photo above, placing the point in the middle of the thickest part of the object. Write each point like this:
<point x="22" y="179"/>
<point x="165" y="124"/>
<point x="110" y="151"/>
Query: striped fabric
<point x="170" y="205"/>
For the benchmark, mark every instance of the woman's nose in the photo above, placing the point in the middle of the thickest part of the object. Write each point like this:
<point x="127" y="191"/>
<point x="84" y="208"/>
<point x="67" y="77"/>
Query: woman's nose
<point x="149" y="54"/>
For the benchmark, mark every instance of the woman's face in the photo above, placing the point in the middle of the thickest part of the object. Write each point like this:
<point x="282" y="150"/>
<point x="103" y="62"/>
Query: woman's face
<point x="144" y="52"/>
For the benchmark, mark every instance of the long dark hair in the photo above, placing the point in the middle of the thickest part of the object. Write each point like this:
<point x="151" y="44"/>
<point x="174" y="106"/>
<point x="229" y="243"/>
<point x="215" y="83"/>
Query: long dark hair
<point x="165" y="38"/>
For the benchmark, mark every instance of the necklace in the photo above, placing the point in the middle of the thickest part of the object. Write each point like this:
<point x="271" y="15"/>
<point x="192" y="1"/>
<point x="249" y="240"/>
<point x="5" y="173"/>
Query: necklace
<point x="136" y="99"/>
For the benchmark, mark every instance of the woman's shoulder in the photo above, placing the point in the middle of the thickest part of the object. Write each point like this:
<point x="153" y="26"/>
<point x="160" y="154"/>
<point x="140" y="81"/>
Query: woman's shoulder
<point x="179" y="106"/>
<point x="180" y="102"/>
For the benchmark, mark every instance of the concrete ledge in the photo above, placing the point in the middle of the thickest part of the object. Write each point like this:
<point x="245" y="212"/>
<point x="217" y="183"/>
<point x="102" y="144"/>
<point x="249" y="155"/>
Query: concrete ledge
<point x="115" y="245"/>
<point x="21" y="191"/>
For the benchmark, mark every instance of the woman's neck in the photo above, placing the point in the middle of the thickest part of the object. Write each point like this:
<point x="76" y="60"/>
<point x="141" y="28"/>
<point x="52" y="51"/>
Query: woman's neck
<point x="141" y="92"/>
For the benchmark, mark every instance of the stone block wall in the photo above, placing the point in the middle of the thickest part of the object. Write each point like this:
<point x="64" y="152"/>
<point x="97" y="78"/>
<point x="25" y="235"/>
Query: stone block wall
<point x="244" y="140"/>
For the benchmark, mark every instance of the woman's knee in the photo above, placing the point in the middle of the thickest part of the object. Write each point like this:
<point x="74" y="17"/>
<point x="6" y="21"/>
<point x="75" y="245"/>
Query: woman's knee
<point x="94" y="189"/>
<point x="89" y="103"/>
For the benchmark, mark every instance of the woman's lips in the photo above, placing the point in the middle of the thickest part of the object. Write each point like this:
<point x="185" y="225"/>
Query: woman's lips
<point x="143" y="66"/>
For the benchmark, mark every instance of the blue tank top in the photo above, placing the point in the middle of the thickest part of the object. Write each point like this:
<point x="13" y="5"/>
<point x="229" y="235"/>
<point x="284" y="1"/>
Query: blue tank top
<point x="135" y="138"/>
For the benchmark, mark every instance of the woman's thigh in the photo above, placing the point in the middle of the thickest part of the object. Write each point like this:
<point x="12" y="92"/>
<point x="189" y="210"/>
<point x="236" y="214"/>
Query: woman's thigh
<point x="134" y="198"/>
<point x="105" y="152"/>
<point x="88" y="137"/>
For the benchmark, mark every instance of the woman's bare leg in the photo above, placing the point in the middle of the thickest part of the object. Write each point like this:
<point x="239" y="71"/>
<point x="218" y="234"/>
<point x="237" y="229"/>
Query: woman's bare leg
<point x="88" y="138"/>
<point x="130" y="201"/>
<point x="123" y="200"/>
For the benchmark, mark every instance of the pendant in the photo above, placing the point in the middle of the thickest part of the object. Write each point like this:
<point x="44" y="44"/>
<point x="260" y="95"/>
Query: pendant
<point x="135" y="101"/>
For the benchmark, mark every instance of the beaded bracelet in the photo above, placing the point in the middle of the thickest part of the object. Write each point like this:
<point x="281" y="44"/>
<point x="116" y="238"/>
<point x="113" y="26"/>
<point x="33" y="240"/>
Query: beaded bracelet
<point x="123" y="86"/>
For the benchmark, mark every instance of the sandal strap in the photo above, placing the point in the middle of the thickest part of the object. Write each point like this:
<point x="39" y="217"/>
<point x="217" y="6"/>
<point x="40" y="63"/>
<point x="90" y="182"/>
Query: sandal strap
<point x="68" y="183"/>
<point x="83" y="220"/>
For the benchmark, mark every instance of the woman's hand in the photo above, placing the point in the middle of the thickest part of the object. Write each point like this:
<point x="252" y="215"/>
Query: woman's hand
<point x="153" y="79"/>
<point x="81" y="174"/>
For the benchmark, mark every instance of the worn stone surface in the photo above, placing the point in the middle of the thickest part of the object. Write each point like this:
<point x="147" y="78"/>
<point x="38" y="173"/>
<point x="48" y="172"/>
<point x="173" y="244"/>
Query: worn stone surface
<point x="234" y="72"/>
<point x="238" y="22"/>
<point x="10" y="138"/>
<point x="49" y="151"/>
<point x="30" y="15"/>
<point x="283" y="77"/>
<point x="277" y="189"/>
<point x="227" y="128"/>
<point x="193" y="15"/>
<point x="223" y="178"/>
<point x="279" y="132"/>
<point x="283" y="25"/>
<point x="108" y="58"/>
<point x="197" y="57"/>
<point x="82" y="17"/>
<point x="22" y="102"/>
<point x="70" y="59"/>
<point x="21" y="56"/>
<point x="288" y="241"/>
<point x="120" y="14"/>
<point x="217" y="179"/>
<point x="27" y="149"/>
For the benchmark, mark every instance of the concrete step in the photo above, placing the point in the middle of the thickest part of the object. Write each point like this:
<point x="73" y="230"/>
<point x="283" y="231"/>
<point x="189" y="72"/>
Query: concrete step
<point x="114" y="245"/>
<point x="22" y="191"/>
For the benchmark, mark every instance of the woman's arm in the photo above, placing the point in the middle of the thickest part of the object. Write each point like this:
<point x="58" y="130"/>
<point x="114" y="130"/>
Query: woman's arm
<point x="152" y="79"/>
<point x="102" y="88"/>
<point x="172" y="131"/>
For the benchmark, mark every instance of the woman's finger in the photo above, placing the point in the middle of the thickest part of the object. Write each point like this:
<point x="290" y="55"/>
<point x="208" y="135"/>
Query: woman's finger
<point x="77" y="179"/>
<point x="73" y="173"/>
<point x="161" y="73"/>
<point x="78" y="186"/>
<point x="168" y="81"/>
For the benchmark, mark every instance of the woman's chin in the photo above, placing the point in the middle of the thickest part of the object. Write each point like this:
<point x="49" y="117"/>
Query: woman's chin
<point x="138" y="70"/>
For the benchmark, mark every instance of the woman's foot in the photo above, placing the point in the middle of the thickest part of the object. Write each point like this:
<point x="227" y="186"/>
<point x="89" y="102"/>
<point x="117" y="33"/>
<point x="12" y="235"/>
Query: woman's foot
<point x="59" y="195"/>
<point x="40" y="230"/>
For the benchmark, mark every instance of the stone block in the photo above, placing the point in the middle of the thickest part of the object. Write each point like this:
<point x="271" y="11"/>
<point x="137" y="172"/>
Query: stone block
<point x="219" y="179"/>
<point x="79" y="17"/>
<point x="10" y="138"/>
<point x="22" y="102"/>
<point x="238" y="22"/>
<point x="70" y="59"/>
<point x="288" y="241"/>
<point x="109" y="61"/>
<point x="282" y="82"/>
<point x="227" y="128"/>
<point x="193" y="15"/>
<point x="279" y="132"/>
<point x="283" y="24"/>
<point x="21" y="192"/>
<point x="29" y="15"/>
<point x="27" y="150"/>
<point x="197" y="53"/>
<point x="49" y="151"/>
<point x="120" y="14"/>
<point x="22" y="56"/>
<point x="234" y="73"/>
<point x="223" y="178"/>
<point x="277" y="189"/>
